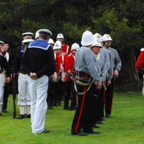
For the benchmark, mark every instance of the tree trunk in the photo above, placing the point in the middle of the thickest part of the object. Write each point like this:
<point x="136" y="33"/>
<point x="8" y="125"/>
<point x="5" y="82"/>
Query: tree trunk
<point x="128" y="69"/>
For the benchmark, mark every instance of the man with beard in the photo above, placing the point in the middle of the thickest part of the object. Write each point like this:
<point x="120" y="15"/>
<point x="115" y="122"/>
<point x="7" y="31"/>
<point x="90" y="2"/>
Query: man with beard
<point x="116" y="64"/>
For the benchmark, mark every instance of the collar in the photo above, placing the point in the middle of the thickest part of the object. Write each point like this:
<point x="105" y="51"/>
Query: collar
<point x="2" y="52"/>
<point x="39" y="44"/>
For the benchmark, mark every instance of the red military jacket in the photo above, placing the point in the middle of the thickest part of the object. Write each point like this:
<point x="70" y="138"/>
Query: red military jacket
<point x="140" y="61"/>
<point x="66" y="49"/>
<point x="56" y="57"/>
<point x="61" y="63"/>
<point x="69" y="66"/>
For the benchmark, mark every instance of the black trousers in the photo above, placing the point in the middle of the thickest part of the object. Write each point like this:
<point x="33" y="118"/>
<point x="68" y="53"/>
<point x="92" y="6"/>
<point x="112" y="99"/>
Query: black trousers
<point x="109" y="97"/>
<point x="6" y="95"/>
<point x="50" y="92"/>
<point x="69" y="85"/>
<point x="96" y="105"/>
<point x="83" y="114"/>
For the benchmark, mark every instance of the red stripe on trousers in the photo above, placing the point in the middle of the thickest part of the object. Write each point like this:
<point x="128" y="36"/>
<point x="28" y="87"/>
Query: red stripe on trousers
<point x="104" y="94"/>
<point x="81" y="109"/>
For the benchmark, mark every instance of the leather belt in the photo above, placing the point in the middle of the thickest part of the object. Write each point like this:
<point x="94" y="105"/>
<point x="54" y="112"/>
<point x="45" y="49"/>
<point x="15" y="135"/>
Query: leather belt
<point x="22" y="72"/>
<point x="84" y="79"/>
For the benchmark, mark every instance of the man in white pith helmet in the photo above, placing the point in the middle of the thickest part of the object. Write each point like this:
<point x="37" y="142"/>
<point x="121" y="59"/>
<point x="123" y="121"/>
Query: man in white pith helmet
<point x="86" y="74"/>
<point x="116" y="67"/>
<point x="65" y="47"/>
<point x="69" y="78"/>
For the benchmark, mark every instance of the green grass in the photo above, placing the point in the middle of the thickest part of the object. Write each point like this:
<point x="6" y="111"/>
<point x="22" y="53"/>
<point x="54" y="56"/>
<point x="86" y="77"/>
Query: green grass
<point x="123" y="128"/>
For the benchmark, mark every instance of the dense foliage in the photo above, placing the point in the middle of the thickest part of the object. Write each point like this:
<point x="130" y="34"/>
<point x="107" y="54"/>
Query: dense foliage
<point x="122" y="19"/>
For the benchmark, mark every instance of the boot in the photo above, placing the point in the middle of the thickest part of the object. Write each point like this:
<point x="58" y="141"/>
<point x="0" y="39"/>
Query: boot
<point x="0" y="110"/>
<point x="22" y="112"/>
<point x="28" y="111"/>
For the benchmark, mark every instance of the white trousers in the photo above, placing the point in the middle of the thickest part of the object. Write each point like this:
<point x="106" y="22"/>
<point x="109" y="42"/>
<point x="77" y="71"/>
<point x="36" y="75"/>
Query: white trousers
<point x="38" y="90"/>
<point x="1" y="89"/>
<point x="24" y="97"/>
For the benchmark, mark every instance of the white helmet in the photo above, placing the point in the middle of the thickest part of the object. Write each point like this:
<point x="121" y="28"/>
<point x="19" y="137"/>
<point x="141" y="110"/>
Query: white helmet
<point x="36" y="34"/>
<point x="106" y="37"/>
<point x="97" y="36"/>
<point x="87" y="38"/>
<point x="60" y="35"/>
<point x="75" y="46"/>
<point x="97" y="43"/>
<point x="51" y="41"/>
<point x="57" y="45"/>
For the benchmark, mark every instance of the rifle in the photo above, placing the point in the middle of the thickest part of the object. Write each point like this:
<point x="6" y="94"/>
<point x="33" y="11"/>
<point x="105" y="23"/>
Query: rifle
<point x="14" y="94"/>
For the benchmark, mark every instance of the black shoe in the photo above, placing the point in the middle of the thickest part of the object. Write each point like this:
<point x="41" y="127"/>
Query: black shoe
<point x="95" y="126"/>
<point x="28" y="116"/>
<point x="4" y="111"/>
<point x="82" y="134"/>
<point x="108" y="116"/>
<point x="142" y="122"/>
<point x="50" y="107"/>
<point x="0" y="114"/>
<point x="100" y="122"/>
<point x="45" y="131"/>
<point x="94" y="132"/>
<point x="66" y="108"/>
<point x="21" y="116"/>
<point x="102" y="119"/>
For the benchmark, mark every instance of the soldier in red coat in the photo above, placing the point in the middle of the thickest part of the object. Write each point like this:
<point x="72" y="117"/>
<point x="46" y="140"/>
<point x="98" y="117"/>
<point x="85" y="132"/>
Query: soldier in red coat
<point x="140" y="61"/>
<point x="70" y="73"/>
<point x="140" y="67"/>
<point x="61" y="75"/>
<point x="65" y="47"/>
<point x="52" y="91"/>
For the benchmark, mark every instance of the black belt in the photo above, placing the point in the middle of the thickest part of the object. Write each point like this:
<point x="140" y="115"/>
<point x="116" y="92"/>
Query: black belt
<point x="82" y="74"/>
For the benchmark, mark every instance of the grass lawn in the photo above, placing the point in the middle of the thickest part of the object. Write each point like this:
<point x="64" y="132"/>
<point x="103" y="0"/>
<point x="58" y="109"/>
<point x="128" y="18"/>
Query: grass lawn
<point x="123" y="128"/>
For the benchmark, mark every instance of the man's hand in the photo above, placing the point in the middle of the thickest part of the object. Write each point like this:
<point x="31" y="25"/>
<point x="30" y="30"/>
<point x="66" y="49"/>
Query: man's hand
<point x="116" y="73"/>
<point x="58" y="78"/>
<point x="96" y="83"/>
<point x="33" y="76"/>
<point x="99" y="85"/>
<point x="108" y="83"/>
<point x="8" y="79"/>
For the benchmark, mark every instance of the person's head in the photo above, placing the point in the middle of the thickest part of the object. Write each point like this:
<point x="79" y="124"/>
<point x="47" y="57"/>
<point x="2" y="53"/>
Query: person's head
<point x="96" y="46"/>
<point x="1" y="44"/>
<point x="75" y="47"/>
<point x="57" y="47"/>
<point x="26" y="42"/>
<point x="87" y="39"/>
<point x="107" y="40"/>
<point x="51" y="42"/>
<point x="60" y="37"/>
<point x="5" y="46"/>
<point x="44" y="34"/>
<point x="27" y="35"/>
